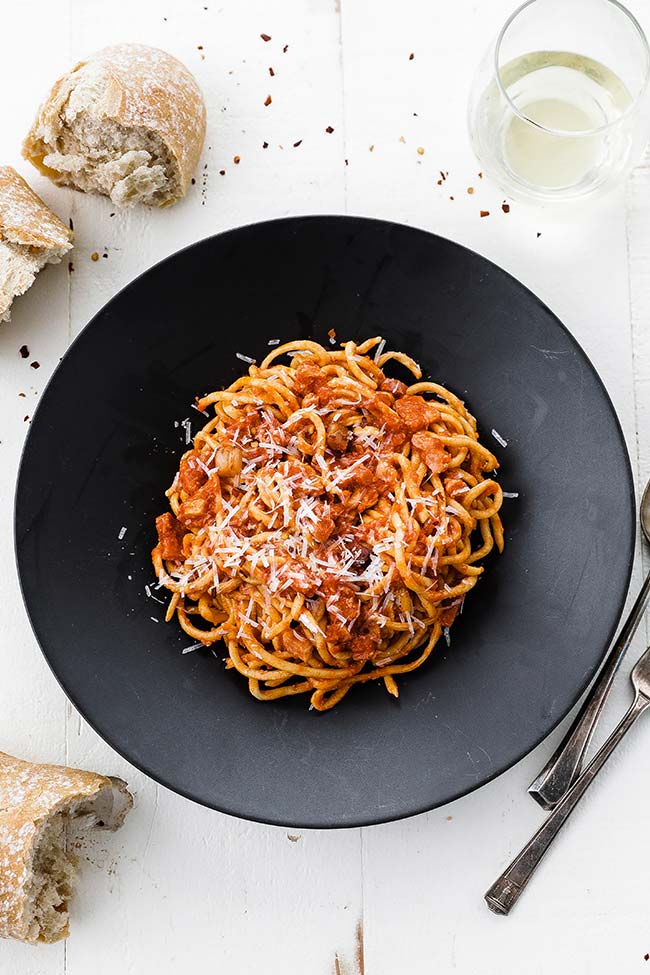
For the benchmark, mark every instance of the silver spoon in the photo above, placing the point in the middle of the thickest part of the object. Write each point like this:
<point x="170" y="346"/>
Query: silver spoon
<point x="505" y="892"/>
<point x="564" y="766"/>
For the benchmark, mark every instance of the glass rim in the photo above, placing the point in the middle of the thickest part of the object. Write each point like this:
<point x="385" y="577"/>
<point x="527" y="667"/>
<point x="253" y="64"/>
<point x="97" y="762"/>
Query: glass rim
<point x="577" y="133"/>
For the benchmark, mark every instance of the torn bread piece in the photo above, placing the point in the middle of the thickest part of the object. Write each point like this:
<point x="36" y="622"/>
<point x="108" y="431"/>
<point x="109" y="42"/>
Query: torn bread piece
<point x="30" y="237"/>
<point x="39" y="806"/>
<point x="128" y="123"/>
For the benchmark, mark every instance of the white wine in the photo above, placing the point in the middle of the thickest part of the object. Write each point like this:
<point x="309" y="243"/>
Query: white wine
<point x="560" y="95"/>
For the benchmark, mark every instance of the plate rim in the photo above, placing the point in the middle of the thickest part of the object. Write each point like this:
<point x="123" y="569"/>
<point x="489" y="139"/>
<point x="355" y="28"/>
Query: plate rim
<point x="353" y="822"/>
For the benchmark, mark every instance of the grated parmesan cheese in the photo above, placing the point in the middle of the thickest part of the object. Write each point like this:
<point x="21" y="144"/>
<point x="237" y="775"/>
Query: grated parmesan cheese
<point x="194" y="646"/>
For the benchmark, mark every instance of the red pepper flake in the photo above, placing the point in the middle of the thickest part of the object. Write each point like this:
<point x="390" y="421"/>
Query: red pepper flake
<point x="480" y="175"/>
<point x="265" y="145"/>
<point x="329" y="129"/>
<point x="265" y="37"/>
<point x="268" y="100"/>
<point x="222" y="172"/>
<point x="105" y="255"/>
<point x="442" y="175"/>
<point x="485" y="213"/>
<point x="199" y="47"/>
<point x="470" y="190"/>
<point x="70" y="267"/>
<point x="332" y="335"/>
<point x="646" y="957"/>
<point x="193" y="181"/>
<point x="272" y="72"/>
<point x="298" y="143"/>
<point x="439" y="182"/>
<point x="35" y="364"/>
<point x="538" y="233"/>
<point x="411" y="56"/>
<point x="236" y="160"/>
<point x="451" y="197"/>
<point x="23" y="395"/>
<point x="346" y="162"/>
<point x="285" y="48"/>
<point x="112" y="214"/>
<point x="94" y="256"/>
<point x="505" y="207"/>
<point x="25" y="418"/>
<point x="24" y="351"/>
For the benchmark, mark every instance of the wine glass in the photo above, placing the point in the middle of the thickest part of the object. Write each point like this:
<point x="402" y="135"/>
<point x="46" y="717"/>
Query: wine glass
<point x="560" y="106"/>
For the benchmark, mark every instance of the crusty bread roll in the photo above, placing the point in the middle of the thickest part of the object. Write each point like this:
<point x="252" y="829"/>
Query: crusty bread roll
<point x="30" y="237"/>
<point x="37" y="871"/>
<point x="128" y="123"/>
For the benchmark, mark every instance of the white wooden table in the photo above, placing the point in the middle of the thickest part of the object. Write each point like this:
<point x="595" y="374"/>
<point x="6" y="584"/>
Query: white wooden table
<point x="182" y="888"/>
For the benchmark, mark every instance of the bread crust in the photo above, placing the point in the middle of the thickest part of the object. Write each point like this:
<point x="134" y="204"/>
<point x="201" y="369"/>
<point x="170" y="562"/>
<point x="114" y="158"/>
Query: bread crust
<point x="140" y="87"/>
<point x="30" y="795"/>
<point x="25" y="219"/>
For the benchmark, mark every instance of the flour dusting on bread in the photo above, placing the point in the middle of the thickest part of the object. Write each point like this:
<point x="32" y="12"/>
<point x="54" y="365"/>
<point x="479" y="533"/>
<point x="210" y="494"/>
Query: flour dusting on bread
<point x="31" y="236"/>
<point x="40" y="806"/>
<point x="128" y="123"/>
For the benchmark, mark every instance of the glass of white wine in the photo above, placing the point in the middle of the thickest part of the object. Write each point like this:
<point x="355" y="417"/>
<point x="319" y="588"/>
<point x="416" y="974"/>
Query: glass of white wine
<point x="560" y="107"/>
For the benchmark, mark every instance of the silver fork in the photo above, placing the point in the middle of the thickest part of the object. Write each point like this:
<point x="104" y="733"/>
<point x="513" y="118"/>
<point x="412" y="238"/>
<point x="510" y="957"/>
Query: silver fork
<point x="564" y="766"/>
<point x="505" y="892"/>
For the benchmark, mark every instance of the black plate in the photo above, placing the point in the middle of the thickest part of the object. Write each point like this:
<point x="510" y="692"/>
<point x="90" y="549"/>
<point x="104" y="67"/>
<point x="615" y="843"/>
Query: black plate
<point x="103" y="447"/>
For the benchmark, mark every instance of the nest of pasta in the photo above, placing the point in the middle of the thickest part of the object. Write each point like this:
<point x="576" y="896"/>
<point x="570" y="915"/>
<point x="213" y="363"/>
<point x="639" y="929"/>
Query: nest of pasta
<point x="328" y="521"/>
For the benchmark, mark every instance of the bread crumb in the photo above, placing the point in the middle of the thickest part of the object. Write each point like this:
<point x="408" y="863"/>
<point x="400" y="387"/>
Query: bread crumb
<point x="470" y="190"/>
<point x="236" y="160"/>
<point x="402" y="139"/>
<point x="371" y="148"/>
<point x="94" y="256"/>
<point x="420" y="150"/>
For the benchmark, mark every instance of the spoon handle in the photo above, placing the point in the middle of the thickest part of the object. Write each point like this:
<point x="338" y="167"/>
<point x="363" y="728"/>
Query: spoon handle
<point x="505" y="892"/>
<point x="565" y="764"/>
